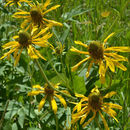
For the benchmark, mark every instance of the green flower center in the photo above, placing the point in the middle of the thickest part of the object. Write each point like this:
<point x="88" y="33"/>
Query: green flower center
<point x="95" y="50"/>
<point x="36" y="16"/>
<point x="49" y="91"/>
<point x="95" y="101"/>
<point x="24" y="38"/>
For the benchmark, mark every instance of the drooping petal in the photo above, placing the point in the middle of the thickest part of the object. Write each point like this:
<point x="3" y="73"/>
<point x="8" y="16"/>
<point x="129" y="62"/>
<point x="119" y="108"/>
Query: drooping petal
<point x="37" y="52"/>
<point x="116" y="56"/>
<point x="108" y="37"/>
<point x="110" y="64"/>
<point x="53" y="22"/>
<point x="119" y="65"/>
<point x="86" y="123"/>
<point x="80" y="43"/>
<point x="18" y="57"/>
<point x="32" y="53"/>
<point x="84" y="117"/>
<point x="73" y="49"/>
<point x="42" y="102"/>
<point x="104" y="121"/>
<point x="10" y="44"/>
<point x="89" y="67"/>
<point x="77" y="65"/>
<point x="62" y="100"/>
<point x="53" y="104"/>
<point x="111" y="105"/>
<point x="102" y="71"/>
<point x="110" y="94"/>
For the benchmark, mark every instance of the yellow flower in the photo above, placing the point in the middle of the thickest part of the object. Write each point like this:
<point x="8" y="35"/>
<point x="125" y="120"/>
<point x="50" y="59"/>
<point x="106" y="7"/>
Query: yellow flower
<point x="59" y="49"/>
<point x="27" y="41"/>
<point x="36" y="15"/>
<point x="98" y="53"/>
<point x="105" y="14"/>
<point x="17" y="2"/>
<point x="49" y="95"/>
<point x="94" y="103"/>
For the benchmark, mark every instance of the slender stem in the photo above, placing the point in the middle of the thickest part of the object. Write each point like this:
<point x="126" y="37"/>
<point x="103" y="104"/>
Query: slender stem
<point x="56" y="120"/>
<point x="48" y="82"/>
<point x="2" y="118"/>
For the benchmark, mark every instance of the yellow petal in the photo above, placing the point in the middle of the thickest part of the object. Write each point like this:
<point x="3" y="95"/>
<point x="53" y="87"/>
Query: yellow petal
<point x="38" y="87"/>
<point x="110" y="94"/>
<point x="78" y="51"/>
<point x="46" y="3"/>
<point x="52" y="22"/>
<point x="89" y="67"/>
<point x="86" y="123"/>
<point x="42" y="102"/>
<point x="102" y="69"/>
<point x="119" y="65"/>
<point x="110" y="64"/>
<point x="116" y="56"/>
<point x="62" y="100"/>
<point x="119" y="49"/>
<point x="31" y="52"/>
<point x="8" y="3"/>
<point x="10" y="44"/>
<point x="80" y="43"/>
<point x="77" y="65"/>
<point x="79" y="95"/>
<point x="108" y="37"/>
<point x="52" y="8"/>
<point x="18" y="57"/>
<point x="104" y="121"/>
<point x="53" y="104"/>
<point x="111" y="105"/>
<point x="35" y="92"/>
<point x="37" y="52"/>
<point x="84" y="117"/>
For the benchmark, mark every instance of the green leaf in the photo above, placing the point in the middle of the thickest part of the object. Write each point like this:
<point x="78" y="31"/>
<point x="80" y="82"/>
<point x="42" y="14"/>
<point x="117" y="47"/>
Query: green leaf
<point x="79" y="85"/>
<point x="21" y="117"/>
<point x="14" y="126"/>
<point x="33" y="128"/>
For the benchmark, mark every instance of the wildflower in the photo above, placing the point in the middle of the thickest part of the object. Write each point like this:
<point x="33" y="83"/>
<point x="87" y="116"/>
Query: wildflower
<point x="17" y="2"/>
<point x="99" y="54"/>
<point x="105" y="14"/>
<point x="94" y="103"/>
<point x="27" y="41"/>
<point x="36" y="15"/>
<point x="59" y="49"/>
<point x="49" y="95"/>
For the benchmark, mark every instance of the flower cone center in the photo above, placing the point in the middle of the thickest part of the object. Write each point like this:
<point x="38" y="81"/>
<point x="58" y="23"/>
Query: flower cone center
<point x="24" y="38"/>
<point x="49" y="91"/>
<point x="95" y="101"/>
<point x="96" y="50"/>
<point x="36" y="16"/>
<point x="15" y="0"/>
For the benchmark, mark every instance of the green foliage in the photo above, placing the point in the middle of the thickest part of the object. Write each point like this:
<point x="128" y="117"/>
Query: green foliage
<point x="82" y="21"/>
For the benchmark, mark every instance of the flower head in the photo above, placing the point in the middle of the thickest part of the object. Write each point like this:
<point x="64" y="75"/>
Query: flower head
<point x="94" y="103"/>
<point x="17" y="2"/>
<point x="59" y="49"/>
<point x="37" y="15"/>
<point x="25" y="40"/>
<point x="49" y="95"/>
<point x="99" y="54"/>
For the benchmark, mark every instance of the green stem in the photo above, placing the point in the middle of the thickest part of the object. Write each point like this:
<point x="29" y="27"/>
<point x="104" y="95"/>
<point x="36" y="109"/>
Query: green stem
<point x="56" y="120"/>
<point x="48" y="82"/>
<point x="2" y="118"/>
